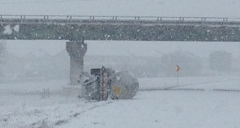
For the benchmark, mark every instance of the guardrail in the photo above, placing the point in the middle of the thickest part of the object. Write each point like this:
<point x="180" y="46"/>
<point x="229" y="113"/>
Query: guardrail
<point x="118" y="18"/>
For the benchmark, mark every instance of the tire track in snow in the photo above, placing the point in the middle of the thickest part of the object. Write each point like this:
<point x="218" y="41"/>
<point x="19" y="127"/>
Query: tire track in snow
<point x="46" y="123"/>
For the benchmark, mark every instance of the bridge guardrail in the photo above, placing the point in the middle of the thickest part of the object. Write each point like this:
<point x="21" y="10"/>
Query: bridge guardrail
<point x="147" y="18"/>
<point x="79" y="19"/>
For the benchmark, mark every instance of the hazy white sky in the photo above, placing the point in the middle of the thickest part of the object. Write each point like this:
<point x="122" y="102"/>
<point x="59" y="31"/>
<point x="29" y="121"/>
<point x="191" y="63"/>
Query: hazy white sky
<point x="197" y="8"/>
<point x="23" y="47"/>
<point x="128" y="48"/>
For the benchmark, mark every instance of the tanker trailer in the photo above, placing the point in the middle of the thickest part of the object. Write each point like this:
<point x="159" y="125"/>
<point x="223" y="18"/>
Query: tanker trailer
<point x="105" y="83"/>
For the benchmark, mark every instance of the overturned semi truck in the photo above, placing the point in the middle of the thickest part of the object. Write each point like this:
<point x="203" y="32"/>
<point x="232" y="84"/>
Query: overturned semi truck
<point x="105" y="83"/>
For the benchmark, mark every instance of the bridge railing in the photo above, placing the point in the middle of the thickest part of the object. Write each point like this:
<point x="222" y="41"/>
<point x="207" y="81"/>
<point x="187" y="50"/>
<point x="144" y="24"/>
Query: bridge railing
<point x="116" y="18"/>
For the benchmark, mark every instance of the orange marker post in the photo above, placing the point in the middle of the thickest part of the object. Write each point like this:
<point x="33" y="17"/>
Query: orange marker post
<point x="177" y="69"/>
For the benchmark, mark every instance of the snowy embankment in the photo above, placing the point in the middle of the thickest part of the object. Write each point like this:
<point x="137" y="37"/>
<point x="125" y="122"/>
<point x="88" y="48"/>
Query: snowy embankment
<point x="165" y="109"/>
<point x="49" y="104"/>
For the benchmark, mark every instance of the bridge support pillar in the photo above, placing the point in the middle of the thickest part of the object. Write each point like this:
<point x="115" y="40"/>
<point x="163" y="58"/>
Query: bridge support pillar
<point x="76" y="50"/>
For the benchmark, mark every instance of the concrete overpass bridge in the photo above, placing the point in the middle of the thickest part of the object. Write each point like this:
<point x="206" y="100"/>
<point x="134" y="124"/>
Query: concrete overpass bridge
<point x="64" y="27"/>
<point x="75" y="28"/>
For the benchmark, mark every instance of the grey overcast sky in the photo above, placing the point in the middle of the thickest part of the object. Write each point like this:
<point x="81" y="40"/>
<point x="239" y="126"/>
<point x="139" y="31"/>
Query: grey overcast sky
<point x="126" y="48"/>
<point x="196" y="8"/>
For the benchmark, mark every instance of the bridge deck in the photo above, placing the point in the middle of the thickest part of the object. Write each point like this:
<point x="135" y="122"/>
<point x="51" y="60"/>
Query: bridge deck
<point x="63" y="27"/>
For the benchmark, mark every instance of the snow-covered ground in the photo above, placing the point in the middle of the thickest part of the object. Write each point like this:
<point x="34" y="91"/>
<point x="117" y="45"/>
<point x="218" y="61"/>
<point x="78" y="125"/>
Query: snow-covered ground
<point x="52" y="104"/>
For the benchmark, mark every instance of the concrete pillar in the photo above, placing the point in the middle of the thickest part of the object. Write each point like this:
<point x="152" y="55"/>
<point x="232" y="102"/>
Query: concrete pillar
<point x="76" y="50"/>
